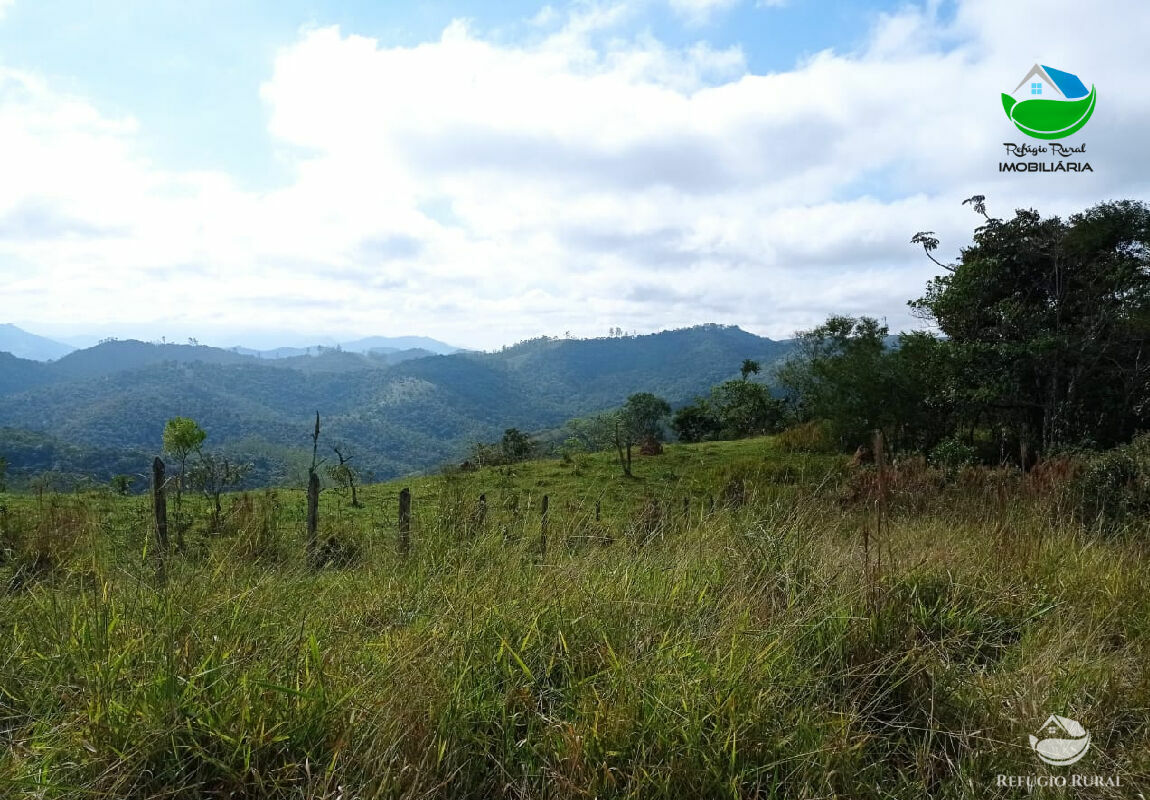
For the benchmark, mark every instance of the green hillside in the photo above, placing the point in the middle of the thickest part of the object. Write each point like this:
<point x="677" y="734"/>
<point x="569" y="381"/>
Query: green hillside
<point x="399" y="414"/>
<point x="19" y="374"/>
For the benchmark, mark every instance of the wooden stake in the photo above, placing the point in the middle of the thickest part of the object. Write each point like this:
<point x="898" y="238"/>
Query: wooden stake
<point x="405" y="521"/>
<point x="543" y="529"/>
<point x="160" y="505"/>
<point x="312" y="513"/>
<point x="880" y="467"/>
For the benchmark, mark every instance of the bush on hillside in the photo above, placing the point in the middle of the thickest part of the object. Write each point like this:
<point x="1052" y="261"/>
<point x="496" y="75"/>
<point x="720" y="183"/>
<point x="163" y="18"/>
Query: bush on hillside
<point x="809" y="437"/>
<point x="951" y="455"/>
<point x="1113" y="488"/>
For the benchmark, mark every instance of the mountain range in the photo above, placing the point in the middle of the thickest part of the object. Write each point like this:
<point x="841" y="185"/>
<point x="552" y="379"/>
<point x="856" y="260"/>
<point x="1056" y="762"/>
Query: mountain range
<point x="398" y="412"/>
<point x="24" y="344"/>
<point x="371" y="345"/>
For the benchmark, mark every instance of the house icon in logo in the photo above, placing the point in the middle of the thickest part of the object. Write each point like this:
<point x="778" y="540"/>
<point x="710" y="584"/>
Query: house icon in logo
<point x="1063" y="741"/>
<point x="1049" y="83"/>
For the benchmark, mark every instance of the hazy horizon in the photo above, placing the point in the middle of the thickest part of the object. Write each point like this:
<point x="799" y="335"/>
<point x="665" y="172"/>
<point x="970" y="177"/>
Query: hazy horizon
<point x="265" y="339"/>
<point x="271" y="339"/>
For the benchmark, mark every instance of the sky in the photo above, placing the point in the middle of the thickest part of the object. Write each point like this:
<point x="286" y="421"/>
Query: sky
<point x="276" y="172"/>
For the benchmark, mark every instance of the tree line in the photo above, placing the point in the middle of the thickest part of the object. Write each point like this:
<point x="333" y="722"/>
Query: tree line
<point x="1036" y="341"/>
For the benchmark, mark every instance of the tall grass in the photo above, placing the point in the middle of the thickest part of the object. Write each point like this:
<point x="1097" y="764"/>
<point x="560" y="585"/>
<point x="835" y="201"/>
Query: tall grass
<point x="738" y="648"/>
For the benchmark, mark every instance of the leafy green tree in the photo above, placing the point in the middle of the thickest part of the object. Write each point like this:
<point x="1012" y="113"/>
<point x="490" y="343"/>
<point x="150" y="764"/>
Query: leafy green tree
<point x="842" y="373"/>
<point x="122" y="484"/>
<point x="182" y="437"/>
<point x="749" y="367"/>
<point x="639" y="419"/>
<point x="923" y="382"/>
<point x="3" y="474"/>
<point x="1047" y="326"/>
<point x="742" y="408"/>
<point x="485" y="454"/>
<point x="516" y="446"/>
<point x="588" y="434"/>
<point x="644" y="413"/>
<point x="214" y="474"/>
<point x="696" y="422"/>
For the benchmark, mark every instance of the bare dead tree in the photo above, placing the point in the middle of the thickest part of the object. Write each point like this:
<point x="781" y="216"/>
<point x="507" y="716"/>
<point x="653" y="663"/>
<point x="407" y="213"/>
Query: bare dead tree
<point x="345" y="475"/>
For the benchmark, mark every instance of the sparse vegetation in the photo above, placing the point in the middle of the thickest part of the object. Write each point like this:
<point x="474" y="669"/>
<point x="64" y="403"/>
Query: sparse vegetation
<point x="706" y="629"/>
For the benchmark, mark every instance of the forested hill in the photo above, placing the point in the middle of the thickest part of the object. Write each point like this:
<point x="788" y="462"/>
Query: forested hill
<point x="398" y="412"/>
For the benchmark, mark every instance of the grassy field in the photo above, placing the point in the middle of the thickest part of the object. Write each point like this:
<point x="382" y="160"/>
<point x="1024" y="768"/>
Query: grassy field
<point x="774" y="636"/>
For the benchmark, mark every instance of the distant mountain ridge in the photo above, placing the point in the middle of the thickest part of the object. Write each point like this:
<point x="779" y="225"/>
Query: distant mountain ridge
<point x="366" y="346"/>
<point x="22" y="344"/>
<point x="399" y="412"/>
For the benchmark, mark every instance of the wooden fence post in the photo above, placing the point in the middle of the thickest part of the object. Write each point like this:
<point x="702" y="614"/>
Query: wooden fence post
<point x="405" y="521"/>
<point x="880" y="468"/>
<point x="481" y="513"/>
<point x="312" y="513"/>
<point x="881" y="508"/>
<point x="160" y="505"/>
<point x="543" y="529"/>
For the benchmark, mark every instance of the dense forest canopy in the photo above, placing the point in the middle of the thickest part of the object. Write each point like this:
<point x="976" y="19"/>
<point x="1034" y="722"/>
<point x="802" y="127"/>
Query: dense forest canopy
<point x="1039" y="341"/>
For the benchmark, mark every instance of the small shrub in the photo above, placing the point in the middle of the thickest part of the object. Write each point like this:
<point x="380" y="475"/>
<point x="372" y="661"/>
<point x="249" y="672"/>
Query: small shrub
<point x="911" y="485"/>
<point x="951" y="456"/>
<point x="650" y="522"/>
<point x="337" y="553"/>
<point x="255" y="524"/>
<point x="1114" y="487"/>
<point x="45" y="545"/>
<point x="810" y="437"/>
<point x="734" y="493"/>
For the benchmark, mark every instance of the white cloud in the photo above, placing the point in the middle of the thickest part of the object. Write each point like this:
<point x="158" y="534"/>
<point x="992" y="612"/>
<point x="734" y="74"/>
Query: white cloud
<point x="483" y="192"/>
<point x="699" y="11"/>
<point x="4" y="6"/>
